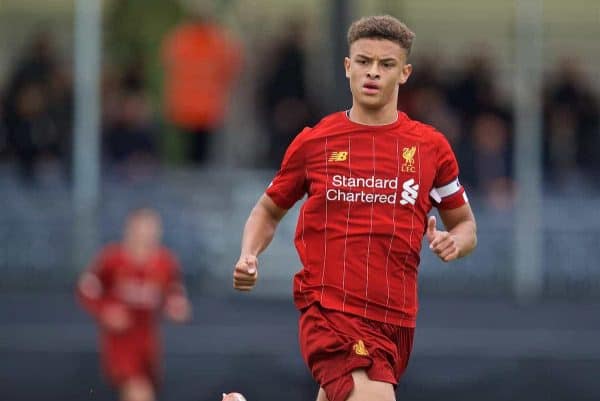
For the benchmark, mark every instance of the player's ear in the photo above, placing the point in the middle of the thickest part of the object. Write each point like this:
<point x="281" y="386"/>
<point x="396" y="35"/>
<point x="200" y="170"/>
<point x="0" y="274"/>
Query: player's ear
<point x="406" y="71"/>
<point x="347" y="66"/>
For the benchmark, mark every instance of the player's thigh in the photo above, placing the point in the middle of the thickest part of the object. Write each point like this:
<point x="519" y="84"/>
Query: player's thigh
<point x="366" y="389"/>
<point x="137" y="389"/>
<point x="322" y="396"/>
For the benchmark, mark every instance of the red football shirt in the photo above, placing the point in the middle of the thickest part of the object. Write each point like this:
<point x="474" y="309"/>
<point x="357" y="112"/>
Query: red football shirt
<point x="360" y="229"/>
<point x="117" y="279"/>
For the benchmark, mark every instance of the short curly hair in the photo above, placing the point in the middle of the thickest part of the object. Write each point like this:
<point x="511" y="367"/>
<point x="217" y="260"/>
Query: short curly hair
<point x="381" y="27"/>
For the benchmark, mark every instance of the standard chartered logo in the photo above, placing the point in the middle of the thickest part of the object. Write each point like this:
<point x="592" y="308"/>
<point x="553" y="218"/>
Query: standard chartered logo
<point x="351" y="189"/>
<point x="410" y="192"/>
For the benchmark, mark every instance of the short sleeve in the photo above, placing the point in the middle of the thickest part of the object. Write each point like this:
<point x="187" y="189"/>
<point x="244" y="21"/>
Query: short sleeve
<point x="100" y="267"/>
<point x="175" y="282"/>
<point x="289" y="184"/>
<point x="447" y="192"/>
<point x="95" y="282"/>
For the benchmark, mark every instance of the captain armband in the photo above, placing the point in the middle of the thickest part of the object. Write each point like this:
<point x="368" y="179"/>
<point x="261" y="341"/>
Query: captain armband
<point x="440" y="193"/>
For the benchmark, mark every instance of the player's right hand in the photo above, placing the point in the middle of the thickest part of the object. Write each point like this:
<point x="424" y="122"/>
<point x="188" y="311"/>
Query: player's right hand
<point x="115" y="318"/>
<point x="245" y="273"/>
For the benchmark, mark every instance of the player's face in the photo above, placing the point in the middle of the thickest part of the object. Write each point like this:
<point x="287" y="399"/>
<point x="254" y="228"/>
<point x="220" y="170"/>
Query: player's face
<point x="144" y="231"/>
<point x="376" y="68"/>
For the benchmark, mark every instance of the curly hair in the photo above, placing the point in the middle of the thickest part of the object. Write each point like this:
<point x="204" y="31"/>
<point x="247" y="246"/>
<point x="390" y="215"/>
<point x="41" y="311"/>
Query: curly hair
<point x="381" y="27"/>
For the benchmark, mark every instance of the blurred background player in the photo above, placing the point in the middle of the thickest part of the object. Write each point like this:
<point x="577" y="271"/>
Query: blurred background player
<point x="125" y="289"/>
<point x="285" y="102"/>
<point x="359" y="243"/>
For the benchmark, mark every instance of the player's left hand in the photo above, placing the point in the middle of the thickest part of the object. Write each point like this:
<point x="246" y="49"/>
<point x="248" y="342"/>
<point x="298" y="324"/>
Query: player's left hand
<point x="442" y="243"/>
<point x="178" y="308"/>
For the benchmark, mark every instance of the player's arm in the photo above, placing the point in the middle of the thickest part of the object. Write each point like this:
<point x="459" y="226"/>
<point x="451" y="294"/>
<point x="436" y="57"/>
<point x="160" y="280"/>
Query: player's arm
<point x="258" y="233"/>
<point x="91" y="286"/>
<point x="177" y="306"/>
<point x="92" y="291"/>
<point x="448" y="195"/>
<point x="461" y="236"/>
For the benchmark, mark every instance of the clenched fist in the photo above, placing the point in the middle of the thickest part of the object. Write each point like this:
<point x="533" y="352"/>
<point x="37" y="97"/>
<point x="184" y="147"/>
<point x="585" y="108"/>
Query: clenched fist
<point x="245" y="273"/>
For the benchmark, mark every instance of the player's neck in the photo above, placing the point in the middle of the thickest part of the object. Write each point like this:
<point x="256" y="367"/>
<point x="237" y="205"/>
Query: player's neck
<point x="139" y="253"/>
<point x="384" y="116"/>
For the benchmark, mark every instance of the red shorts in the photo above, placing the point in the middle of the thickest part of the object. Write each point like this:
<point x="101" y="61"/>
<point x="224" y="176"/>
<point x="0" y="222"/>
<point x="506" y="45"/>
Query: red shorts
<point x="126" y="357"/>
<point x="334" y="344"/>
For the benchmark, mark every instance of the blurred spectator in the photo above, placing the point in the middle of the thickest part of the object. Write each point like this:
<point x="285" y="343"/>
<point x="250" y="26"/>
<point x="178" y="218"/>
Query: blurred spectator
<point x="474" y="91"/>
<point x="26" y="113"/>
<point x="134" y="74"/>
<point x="426" y="74"/>
<point x="471" y="114"/>
<point x="130" y="138"/>
<point x="491" y="156"/>
<point x="561" y="145"/>
<point x="425" y="98"/>
<point x="429" y="105"/>
<point x="32" y="132"/>
<point x="110" y="89"/>
<point x="201" y="63"/>
<point x="572" y="127"/>
<point x="60" y="110"/>
<point x="286" y="108"/>
<point x="129" y="130"/>
<point x="125" y="289"/>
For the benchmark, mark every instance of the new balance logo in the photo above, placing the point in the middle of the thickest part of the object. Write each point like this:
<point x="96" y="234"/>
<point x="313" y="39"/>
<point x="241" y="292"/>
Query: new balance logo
<point x="360" y="349"/>
<point x="338" y="156"/>
<point x="410" y="192"/>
